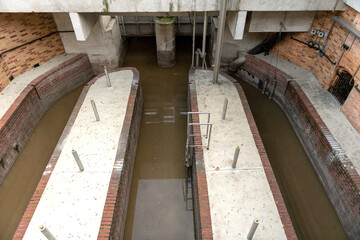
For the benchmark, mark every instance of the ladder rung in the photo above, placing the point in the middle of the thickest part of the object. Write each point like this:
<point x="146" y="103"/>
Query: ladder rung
<point x="197" y="145"/>
<point x="197" y="135"/>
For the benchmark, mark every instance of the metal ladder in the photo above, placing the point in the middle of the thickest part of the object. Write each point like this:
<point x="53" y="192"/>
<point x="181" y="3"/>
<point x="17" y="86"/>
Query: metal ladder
<point x="190" y="136"/>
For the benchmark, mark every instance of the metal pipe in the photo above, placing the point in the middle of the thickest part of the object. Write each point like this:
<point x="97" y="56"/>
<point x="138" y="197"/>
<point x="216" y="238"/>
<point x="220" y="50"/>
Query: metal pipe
<point x="207" y="128"/>
<point x="47" y="233"/>
<point x="77" y="159"/>
<point x="209" y="137"/>
<point x="198" y="54"/>
<point x="193" y="46"/>
<point x="219" y="37"/>
<point x="123" y="24"/>
<point x="95" y="110"/>
<point x="236" y="156"/>
<point x="265" y="86"/>
<point x="253" y="228"/>
<point x="204" y="40"/>
<point x="273" y="89"/>
<point x="224" y="108"/>
<point x="353" y="77"/>
<point x="107" y="77"/>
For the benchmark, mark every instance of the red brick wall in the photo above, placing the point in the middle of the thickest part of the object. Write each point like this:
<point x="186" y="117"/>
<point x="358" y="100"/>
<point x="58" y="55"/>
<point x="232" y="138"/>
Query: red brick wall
<point x="322" y="69"/>
<point x="19" y="28"/>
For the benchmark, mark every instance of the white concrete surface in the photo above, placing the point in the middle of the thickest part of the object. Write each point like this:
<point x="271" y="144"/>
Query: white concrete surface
<point x="237" y="196"/>
<point x="236" y="23"/>
<point x="325" y="104"/>
<point x="72" y="204"/>
<point x="9" y="94"/>
<point x="121" y="6"/>
<point x="355" y="4"/>
<point x="82" y="24"/>
<point x="270" y="21"/>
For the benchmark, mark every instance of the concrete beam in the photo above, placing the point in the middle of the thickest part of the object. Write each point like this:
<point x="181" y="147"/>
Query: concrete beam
<point x="270" y="21"/>
<point x="236" y="23"/>
<point x="167" y="6"/>
<point x="82" y="23"/>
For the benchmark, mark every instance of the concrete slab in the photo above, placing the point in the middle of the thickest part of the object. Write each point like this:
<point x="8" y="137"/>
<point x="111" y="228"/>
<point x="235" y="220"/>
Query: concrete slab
<point x="325" y="104"/>
<point x="72" y="204"/>
<point x="19" y="83"/>
<point x="236" y="196"/>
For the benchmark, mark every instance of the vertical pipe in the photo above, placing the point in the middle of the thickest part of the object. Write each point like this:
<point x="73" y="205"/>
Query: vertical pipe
<point x="207" y="127"/>
<point x="224" y="109"/>
<point x="353" y="77"/>
<point x="77" y="159"/>
<point x="254" y="225"/>
<point x="204" y="40"/>
<point x="107" y="77"/>
<point x="265" y="86"/>
<point x="209" y="137"/>
<point x="273" y="89"/>
<point x="219" y="36"/>
<point x="123" y="24"/>
<point x="95" y="110"/>
<point x="193" y="46"/>
<point x="46" y="233"/>
<point x="197" y="57"/>
<point x="236" y="156"/>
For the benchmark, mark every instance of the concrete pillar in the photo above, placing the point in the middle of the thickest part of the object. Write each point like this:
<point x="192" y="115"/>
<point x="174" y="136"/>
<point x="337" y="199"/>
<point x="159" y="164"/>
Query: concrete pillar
<point x="165" y="41"/>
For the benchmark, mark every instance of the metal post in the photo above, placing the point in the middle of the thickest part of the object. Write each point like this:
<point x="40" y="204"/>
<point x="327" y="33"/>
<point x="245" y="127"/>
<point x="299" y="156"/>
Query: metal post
<point x="95" y="110"/>
<point x="77" y="159"/>
<point x="107" y="77"/>
<point x="265" y="86"/>
<point x="123" y="24"/>
<point x="207" y="128"/>
<point x="236" y="156"/>
<point x="209" y="137"/>
<point x="204" y="40"/>
<point x="253" y="229"/>
<point x="224" y="109"/>
<point x="219" y="36"/>
<point x="273" y="90"/>
<point x="193" y="46"/>
<point x="46" y="233"/>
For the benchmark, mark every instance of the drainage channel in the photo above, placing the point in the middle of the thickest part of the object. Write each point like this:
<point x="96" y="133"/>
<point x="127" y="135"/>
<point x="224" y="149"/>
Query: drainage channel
<point x="19" y="185"/>
<point x="160" y="205"/>
<point x="310" y="210"/>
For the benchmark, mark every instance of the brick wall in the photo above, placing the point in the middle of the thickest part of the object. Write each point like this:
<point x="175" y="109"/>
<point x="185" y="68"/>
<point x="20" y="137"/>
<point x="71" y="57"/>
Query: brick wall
<point x="19" y="28"/>
<point x="322" y="69"/>
<point x="23" y="115"/>
<point x="335" y="171"/>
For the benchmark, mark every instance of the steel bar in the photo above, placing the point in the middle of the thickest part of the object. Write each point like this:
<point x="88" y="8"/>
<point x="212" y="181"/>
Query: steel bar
<point x="77" y="159"/>
<point x="193" y="43"/>
<point x="204" y="40"/>
<point x="224" y="108"/>
<point x="253" y="228"/>
<point x="107" y="77"/>
<point x="95" y="110"/>
<point x="47" y="233"/>
<point x="236" y="156"/>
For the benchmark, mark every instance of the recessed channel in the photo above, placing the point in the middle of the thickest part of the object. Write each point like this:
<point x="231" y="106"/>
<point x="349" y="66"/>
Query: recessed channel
<point x="309" y="208"/>
<point x="160" y="204"/>
<point x="21" y="181"/>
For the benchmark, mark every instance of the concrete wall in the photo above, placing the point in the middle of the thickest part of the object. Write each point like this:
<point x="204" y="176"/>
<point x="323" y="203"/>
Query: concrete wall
<point x="336" y="173"/>
<point x="102" y="47"/>
<point x="122" y="6"/>
<point x="322" y="69"/>
<point x="17" y="29"/>
<point x="22" y="117"/>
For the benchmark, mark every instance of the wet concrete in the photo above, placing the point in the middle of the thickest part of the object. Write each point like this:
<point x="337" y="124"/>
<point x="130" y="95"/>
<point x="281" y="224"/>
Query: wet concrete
<point x="20" y="183"/>
<point x="310" y="210"/>
<point x="160" y="205"/>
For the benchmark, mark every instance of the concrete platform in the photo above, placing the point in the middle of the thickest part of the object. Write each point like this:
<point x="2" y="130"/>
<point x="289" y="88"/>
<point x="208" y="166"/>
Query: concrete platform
<point x="326" y="106"/>
<point x="236" y="196"/>
<point x="19" y="83"/>
<point x="72" y="204"/>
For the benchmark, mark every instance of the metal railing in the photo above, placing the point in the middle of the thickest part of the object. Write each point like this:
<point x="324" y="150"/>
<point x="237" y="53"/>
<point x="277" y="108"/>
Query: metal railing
<point x="189" y="136"/>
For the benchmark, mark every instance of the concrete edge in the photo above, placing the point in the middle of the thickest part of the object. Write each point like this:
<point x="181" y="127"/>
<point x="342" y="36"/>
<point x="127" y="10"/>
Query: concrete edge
<point x="35" y="199"/>
<point x="275" y="190"/>
<point x="202" y="216"/>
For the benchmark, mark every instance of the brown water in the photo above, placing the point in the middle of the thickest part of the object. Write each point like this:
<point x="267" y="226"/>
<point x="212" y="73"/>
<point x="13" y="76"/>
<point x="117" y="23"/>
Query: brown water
<point x="158" y="206"/>
<point x="17" y="188"/>
<point x="309" y="208"/>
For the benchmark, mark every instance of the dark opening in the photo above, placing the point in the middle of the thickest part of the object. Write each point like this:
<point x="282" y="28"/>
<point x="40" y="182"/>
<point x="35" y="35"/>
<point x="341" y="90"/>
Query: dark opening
<point x="342" y="86"/>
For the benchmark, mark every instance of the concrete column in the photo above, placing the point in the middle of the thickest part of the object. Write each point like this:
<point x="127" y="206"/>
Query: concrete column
<point x="165" y="41"/>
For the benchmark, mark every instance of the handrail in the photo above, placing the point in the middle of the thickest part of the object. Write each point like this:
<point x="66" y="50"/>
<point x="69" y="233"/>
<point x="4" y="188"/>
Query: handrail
<point x="34" y="40"/>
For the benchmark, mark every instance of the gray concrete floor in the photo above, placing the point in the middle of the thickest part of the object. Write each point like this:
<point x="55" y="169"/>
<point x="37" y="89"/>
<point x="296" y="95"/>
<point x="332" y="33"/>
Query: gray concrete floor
<point x="326" y="106"/>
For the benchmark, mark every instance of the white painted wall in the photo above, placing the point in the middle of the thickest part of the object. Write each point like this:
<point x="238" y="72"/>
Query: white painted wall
<point x="132" y="6"/>
<point x="270" y="21"/>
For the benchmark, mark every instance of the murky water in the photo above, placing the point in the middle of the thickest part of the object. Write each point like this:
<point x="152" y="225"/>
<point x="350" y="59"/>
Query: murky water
<point x="309" y="208"/>
<point x="160" y="205"/>
<point x="20" y="183"/>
